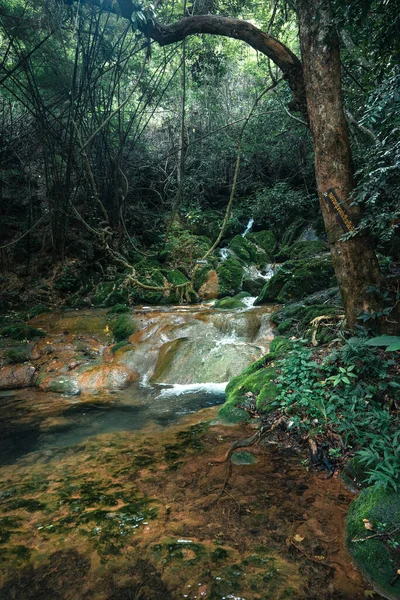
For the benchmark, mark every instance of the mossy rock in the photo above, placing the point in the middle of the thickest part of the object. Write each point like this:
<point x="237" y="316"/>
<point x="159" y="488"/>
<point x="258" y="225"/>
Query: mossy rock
<point x="295" y="319"/>
<point x="18" y="354"/>
<point x="109" y="293"/>
<point x="230" y="277"/>
<point x="253" y="286"/>
<point x="245" y="250"/>
<point x="151" y="277"/>
<point x="232" y="302"/>
<point x="201" y="275"/>
<point x="124" y="327"/>
<point x="176" y="278"/>
<point x="292" y="232"/>
<point x="280" y="345"/>
<point x="21" y="331"/>
<point x="119" y="309"/>
<point x="264" y="239"/>
<point x="184" y="248"/>
<point x="305" y="249"/>
<point x="257" y="379"/>
<point x="374" y="556"/>
<point x="61" y="385"/>
<point x="297" y="279"/>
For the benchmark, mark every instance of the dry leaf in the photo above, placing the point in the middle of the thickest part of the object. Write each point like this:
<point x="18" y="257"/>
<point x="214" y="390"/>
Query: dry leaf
<point x="367" y="524"/>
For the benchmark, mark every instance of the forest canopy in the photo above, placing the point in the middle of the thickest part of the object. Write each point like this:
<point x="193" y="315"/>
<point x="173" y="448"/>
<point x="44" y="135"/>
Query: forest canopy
<point x="121" y="121"/>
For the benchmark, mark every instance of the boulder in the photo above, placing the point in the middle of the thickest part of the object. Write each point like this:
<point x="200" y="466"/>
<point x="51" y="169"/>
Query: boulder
<point x="297" y="279"/>
<point x="17" y="376"/>
<point x="374" y="514"/>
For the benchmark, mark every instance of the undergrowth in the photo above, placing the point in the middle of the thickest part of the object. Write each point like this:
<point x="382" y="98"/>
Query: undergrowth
<point x="351" y="395"/>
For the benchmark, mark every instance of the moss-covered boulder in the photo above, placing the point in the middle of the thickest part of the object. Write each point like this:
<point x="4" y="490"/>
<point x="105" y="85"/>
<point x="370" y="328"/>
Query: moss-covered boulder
<point x="243" y="249"/>
<point x="264" y="239"/>
<point x="372" y="517"/>
<point x="232" y="302"/>
<point x="230" y="277"/>
<point x="297" y="279"/>
<point x="303" y="249"/>
<point x="295" y="319"/>
<point x="254" y="385"/>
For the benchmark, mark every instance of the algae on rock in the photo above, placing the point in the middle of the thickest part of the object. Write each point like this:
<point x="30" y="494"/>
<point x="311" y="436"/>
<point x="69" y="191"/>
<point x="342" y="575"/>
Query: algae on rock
<point x="376" y="555"/>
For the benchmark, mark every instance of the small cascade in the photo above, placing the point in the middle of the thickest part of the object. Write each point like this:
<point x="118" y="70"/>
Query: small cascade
<point x="248" y="227"/>
<point x="252" y="272"/>
<point x="224" y="253"/>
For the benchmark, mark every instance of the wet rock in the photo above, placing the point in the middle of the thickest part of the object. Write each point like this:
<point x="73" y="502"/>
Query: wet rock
<point x="63" y="384"/>
<point x="106" y="376"/>
<point x="209" y="289"/>
<point x="254" y="387"/>
<point x="233" y="302"/>
<point x="17" y="376"/>
<point x="264" y="239"/>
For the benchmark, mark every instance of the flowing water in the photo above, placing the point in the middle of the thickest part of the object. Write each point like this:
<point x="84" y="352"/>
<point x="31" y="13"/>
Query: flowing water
<point x="111" y="487"/>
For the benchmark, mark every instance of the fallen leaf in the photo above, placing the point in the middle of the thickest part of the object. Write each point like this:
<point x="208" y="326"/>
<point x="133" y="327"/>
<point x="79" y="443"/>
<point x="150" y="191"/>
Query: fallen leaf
<point x="367" y="524"/>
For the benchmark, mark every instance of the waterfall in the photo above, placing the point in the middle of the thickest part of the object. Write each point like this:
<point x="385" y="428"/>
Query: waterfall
<point x="249" y="226"/>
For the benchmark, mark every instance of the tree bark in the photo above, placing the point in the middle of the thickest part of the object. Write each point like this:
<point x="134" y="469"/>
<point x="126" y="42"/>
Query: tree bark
<point x="355" y="263"/>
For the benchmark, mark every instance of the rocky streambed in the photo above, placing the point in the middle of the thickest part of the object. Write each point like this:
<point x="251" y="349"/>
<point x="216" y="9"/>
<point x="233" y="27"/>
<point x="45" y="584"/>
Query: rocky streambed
<point x="112" y="469"/>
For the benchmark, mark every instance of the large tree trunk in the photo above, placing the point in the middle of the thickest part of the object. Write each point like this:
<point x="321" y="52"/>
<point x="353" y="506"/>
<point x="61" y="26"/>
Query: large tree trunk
<point x="355" y="263"/>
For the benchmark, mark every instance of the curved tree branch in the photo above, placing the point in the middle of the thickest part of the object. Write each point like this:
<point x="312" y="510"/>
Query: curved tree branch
<point x="281" y="55"/>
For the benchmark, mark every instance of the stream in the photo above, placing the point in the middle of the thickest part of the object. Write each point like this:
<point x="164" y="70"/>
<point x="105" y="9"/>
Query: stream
<point x="111" y="471"/>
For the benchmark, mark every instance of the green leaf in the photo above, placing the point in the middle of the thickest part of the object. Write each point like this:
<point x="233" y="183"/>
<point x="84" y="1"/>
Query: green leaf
<point x="385" y="340"/>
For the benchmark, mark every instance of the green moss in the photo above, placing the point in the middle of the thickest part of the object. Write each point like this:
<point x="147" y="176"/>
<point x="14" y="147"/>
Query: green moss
<point x="265" y="239"/>
<point x="295" y="319"/>
<point x="375" y="557"/>
<point x="280" y="344"/>
<point x="292" y="232"/>
<point x="175" y="277"/>
<point x="123" y="344"/>
<point x="232" y="302"/>
<point x="245" y="250"/>
<point x="119" y="309"/>
<point x="219" y="554"/>
<point x="243" y="458"/>
<point x="38" y="309"/>
<point x="200" y="276"/>
<point x="21" y="331"/>
<point x="254" y="385"/>
<point x="18" y="354"/>
<point x="8" y="526"/>
<point x="63" y="384"/>
<point x="124" y="327"/>
<point x="297" y="279"/>
<point x="285" y="326"/>
<point x="109" y="293"/>
<point x="298" y="250"/>
<point x="230" y="277"/>
<point x="27" y="504"/>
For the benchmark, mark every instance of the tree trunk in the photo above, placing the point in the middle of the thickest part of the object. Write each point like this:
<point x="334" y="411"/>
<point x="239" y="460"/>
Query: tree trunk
<point x="355" y="263"/>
